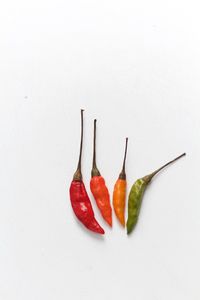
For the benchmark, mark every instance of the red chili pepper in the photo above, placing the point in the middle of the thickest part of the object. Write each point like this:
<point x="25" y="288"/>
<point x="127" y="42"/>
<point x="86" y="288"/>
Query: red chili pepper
<point x="99" y="189"/>
<point x="79" y="198"/>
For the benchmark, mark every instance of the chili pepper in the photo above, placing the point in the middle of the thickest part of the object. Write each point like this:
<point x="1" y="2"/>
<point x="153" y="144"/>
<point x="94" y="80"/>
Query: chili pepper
<point x="79" y="198"/>
<point x="136" y="195"/>
<point x="98" y="187"/>
<point x="119" y="193"/>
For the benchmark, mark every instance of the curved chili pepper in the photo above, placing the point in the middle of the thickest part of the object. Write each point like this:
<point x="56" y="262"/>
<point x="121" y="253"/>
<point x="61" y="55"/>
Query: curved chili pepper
<point x="136" y="195"/>
<point x="119" y="193"/>
<point x="98" y="187"/>
<point x="79" y="198"/>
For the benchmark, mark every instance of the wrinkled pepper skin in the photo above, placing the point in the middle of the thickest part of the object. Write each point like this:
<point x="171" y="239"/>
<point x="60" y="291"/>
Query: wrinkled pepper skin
<point x="82" y="207"/>
<point x="134" y="203"/>
<point x="102" y="198"/>
<point x="119" y="200"/>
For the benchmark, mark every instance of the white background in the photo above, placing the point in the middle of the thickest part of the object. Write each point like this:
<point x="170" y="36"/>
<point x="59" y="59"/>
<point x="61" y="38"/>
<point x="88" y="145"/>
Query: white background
<point x="135" y="66"/>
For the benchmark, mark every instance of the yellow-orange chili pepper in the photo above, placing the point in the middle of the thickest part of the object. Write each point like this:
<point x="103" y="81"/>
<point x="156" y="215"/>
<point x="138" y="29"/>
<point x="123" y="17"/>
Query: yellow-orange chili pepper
<point x="99" y="188"/>
<point x="119" y="193"/>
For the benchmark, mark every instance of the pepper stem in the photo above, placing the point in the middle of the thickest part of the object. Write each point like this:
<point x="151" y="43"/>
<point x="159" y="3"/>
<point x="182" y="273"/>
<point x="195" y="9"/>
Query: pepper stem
<point x="122" y="175"/>
<point x="78" y="174"/>
<point x="95" y="171"/>
<point x="150" y="176"/>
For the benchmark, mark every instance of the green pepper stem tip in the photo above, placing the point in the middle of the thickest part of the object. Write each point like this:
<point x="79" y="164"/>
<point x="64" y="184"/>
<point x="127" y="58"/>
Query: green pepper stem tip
<point x="150" y="176"/>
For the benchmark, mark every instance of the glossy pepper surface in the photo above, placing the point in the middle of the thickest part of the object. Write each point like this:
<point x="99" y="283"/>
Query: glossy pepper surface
<point x="79" y="198"/>
<point x="98" y="187"/>
<point x="136" y="196"/>
<point x="119" y="193"/>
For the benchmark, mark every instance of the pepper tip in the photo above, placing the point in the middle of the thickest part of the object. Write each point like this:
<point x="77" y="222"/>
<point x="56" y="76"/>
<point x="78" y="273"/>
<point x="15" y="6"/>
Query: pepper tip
<point x="109" y="221"/>
<point x="128" y="231"/>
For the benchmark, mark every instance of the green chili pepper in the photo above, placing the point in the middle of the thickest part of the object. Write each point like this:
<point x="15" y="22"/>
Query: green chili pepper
<point x="136" y="195"/>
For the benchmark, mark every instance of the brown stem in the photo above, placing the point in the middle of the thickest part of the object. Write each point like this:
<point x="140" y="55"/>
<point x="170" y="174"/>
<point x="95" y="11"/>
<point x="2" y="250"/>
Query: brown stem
<point x="150" y="176"/>
<point x="122" y="175"/>
<point x="95" y="171"/>
<point x="78" y="174"/>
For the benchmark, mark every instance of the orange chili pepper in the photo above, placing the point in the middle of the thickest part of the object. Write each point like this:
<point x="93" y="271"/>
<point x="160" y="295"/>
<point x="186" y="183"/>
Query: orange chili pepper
<point x="119" y="193"/>
<point x="98" y="187"/>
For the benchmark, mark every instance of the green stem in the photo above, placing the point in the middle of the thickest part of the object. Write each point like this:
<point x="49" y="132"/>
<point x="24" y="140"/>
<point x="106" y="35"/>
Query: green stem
<point x="78" y="174"/>
<point x="150" y="176"/>
<point x="95" y="171"/>
<point x="122" y="175"/>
